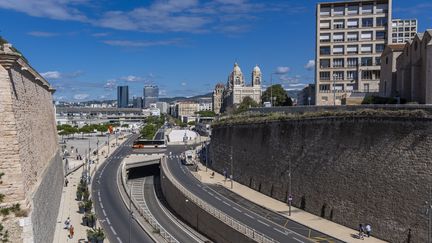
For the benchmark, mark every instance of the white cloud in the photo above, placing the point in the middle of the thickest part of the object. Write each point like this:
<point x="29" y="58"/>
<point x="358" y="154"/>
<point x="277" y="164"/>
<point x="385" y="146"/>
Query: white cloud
<point x="282" y="70"/>
<point x="42" y="34"/>
<point x="131" y="78"/>
<point x="128" y="43"/>
<point x="52" y="75"/>
<point x="101" y="34"/>
<point x="310" y="65"/>
<point x="80" y="96"/>
<point x="53" y="9"/>
<point x="110" y="84"/>
<point x="183" y="84"/>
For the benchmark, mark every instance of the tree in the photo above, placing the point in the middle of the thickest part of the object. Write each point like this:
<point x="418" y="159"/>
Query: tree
<point x="246" y="104"/>
<point x="206" y="113"/>
<point x="280" y="96"/>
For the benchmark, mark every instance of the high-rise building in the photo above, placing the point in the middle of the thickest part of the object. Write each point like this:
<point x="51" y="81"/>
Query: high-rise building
<point x="403" y="30"/>
<point x="122" y="96"/>
<point x="350" y="38"/>
<point x="137" y="102"/>
<point x="218" y="98"/>
<point x="150" y="95"/>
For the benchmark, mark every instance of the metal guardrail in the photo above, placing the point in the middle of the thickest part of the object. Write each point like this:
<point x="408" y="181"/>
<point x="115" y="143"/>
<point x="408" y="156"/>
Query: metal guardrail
<point x="145" y="212"/>
<point x="228" y="220"/>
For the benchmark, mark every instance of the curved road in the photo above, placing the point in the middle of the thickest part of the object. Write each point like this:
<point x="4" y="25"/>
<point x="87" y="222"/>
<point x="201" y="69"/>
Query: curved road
<point x="238" y="211"/>
<point x="109" y="206"/>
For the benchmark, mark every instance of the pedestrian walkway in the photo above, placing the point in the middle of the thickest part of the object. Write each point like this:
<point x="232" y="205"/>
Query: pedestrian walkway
<point x="69" y="204"/>
<point x="310" y="220"/>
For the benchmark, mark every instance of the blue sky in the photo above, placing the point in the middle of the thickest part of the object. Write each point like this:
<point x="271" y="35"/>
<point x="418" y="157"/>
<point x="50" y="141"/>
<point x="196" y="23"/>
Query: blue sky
<point x="86" y="48"/>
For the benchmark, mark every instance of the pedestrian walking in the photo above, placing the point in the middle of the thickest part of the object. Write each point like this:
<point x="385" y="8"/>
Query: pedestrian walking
<point x="71" y="231"/>
<point x="368" y="229"/>
<point x="66" y="182"/>
<point x="361" y="232"/>
<point x="67" y="223"/>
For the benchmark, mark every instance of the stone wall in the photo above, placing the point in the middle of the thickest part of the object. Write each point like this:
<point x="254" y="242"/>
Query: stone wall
<point x="28" y="145"/>
<point x="348" y="170"/>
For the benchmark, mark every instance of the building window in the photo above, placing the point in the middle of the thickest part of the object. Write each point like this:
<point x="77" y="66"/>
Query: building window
<point x="352" y="49"/>
<point x="366" y="35"/>
<point x="338" y="50"/>
<point x="380" y="35"/>
<point x="338" y="62"/>
<point x="339" y="10"/>
<point x="324" y="87"/>
<point x="353" y="9"/>
<point x="366" y="48"/>
<point x="325" y="98"/>
<point x="338" y="37"/>
<point x="325" y="24"/>
<point x="325" y="50"/>
<point x="379" y="48"/>
<point x="352" y="62"/>
<point x="381" y="8"/>
<point x="352" y="75"/>
<point x="366" y="75"/>
<point x="366" y="61"/>
<point x="377" y="74"/>
<point x="339" y="24"/>
<point x="352" y="23"/>
<point x="324" y="37"/>
<point x="352" y="36"/>
<point x="324" y="63"/>
<point x="366" y="87"/>
<point x="367" y="9"/>
<point x="324" y="75"/>
<point x="339" y="87"/>
<point x="325" y="11"/>
<point x="339" y="75"/>
<point x="377" y="61"/>
<point x="367" y="22"/>
<point x="386" y="60"/>
<point x="350" y="87"/>
<point x="381" y="21"/>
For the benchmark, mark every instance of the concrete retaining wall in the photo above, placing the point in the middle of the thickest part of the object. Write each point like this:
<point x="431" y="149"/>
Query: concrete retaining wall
<point x="196" y="217"/>
<point x="349" y="170"/>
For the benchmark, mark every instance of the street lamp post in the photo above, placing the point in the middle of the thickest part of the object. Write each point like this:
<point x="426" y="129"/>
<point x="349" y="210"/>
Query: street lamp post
<point x="207" y="146"/>
<point x="231" y="176"/>
<point x="289" y="189"/>
<point x="97" y="150"/>
<point x="334" y="89"/>
<point x="271" y="89"/>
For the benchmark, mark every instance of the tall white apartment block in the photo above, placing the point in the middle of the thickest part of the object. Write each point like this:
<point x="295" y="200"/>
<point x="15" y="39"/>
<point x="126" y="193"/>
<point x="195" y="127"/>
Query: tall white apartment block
<point x="403" y="30"/>
<point x="350" y="37"/>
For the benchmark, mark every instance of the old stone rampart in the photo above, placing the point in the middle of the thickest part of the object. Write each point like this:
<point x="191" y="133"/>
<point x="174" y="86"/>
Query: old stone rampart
<point x="29" y="155"/>
<point x="350" y="169"/>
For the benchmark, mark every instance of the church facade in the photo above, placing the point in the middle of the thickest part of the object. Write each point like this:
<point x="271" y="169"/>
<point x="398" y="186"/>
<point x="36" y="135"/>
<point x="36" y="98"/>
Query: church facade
<point x="236" y="89"/>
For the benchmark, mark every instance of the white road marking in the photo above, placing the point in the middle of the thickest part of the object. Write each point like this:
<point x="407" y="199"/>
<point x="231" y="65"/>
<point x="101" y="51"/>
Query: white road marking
<point x="236" y="209"/>
<point x="211" y="193"/>
<point x="108" y="221"/>
<point x="218" y="198"/>
<point x="198" y="185"/>
<point x="104" y="213"/>
<point x="101" y="205"/>
<point x="298" y="240"/>
<point x="119" y="240"/>
<point x="100" y="199"/>
<point x="280" y="231"/>
<point x="263" y="223"/>
<point x="226" y="203"/>
<point x="99" y="193"/>
<point x="112" y="229"/>
<point x="249" y="216"/>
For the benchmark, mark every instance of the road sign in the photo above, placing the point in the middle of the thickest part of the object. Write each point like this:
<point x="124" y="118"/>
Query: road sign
<point x="290" y="198"/>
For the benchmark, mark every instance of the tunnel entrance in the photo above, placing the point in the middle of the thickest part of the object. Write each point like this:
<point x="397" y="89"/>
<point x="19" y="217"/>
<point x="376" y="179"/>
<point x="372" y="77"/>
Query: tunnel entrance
<point x="143" y="171"/>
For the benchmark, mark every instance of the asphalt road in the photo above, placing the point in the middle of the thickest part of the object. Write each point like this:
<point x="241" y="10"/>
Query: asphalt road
<point x="238" y="211"/>
<point x="109" y="207"/>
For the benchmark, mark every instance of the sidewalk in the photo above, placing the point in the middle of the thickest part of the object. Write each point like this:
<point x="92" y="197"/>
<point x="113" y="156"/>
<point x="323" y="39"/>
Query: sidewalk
<point x="69" y="204"/>
<point x="312" y="221"/>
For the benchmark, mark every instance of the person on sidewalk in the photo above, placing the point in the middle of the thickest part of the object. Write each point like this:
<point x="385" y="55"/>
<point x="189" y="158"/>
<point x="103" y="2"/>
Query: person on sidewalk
<point x="368" y="230"/>
<point x="361" y="232"/>
<point x="67" y="223"/>
<point x="66" y="182"/>
<point x="71" y="231"/>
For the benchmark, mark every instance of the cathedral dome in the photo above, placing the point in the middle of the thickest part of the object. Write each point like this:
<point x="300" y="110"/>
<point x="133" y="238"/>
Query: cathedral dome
<point x="257" y="69"/>
<point x="237" y="68"/>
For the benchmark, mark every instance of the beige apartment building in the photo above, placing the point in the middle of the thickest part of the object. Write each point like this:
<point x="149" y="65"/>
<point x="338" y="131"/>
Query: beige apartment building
<point x="186" y="109"/>
<point x="350" y="38"/>
<point x="403" y="30"/>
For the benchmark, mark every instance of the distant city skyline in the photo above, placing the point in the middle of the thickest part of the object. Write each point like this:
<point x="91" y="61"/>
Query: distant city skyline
<point x="86" y="49"/>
